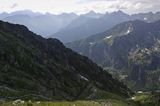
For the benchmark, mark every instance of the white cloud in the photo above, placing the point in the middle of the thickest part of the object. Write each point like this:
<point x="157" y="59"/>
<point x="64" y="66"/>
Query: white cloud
<point x="80" y="6"/>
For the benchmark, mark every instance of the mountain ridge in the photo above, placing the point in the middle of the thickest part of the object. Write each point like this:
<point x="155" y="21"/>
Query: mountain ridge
<point x="95" y="26"/>
<point x="114" y="47"/>
<point x="46" y="69"/>
<point x="68" y="26"/>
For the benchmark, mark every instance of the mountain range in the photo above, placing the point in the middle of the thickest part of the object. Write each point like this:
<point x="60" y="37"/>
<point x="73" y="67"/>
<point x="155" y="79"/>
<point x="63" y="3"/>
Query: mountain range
<point x="132" y="46"/>
<point x="126" y="44"/>
<point x="83" y="26"/>
<point x="32" y="67"/>
<point x="68" y="27"/>
<point x="43" y="24"/>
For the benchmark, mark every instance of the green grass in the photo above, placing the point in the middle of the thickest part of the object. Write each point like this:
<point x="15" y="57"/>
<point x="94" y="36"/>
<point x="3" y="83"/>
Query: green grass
<point x="99" y="98"/>
<point x="147" y="99"/>
<point x="108" y="102"/>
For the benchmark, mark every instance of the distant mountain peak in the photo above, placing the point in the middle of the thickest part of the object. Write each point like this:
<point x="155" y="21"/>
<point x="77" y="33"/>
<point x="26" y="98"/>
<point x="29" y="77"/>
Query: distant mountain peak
<point x="25" y="12"/>
<point x="119" y="12"/>
<point x="91" y="12"/>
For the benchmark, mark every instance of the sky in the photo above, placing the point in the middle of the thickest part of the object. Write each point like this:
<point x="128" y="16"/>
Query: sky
<point x="80" y="6"/>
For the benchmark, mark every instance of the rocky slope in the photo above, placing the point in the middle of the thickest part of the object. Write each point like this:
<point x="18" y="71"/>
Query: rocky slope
<point x="32" y="67"/>
<point x="118" y="46"/>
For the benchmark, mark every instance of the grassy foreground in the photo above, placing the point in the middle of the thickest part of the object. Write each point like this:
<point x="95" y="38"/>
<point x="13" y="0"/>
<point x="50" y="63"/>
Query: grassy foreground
<point x="148" y="99"/>
<point x="140" y="99"/>
<point x="100" y="98"/>
<point x="108" y="102"/>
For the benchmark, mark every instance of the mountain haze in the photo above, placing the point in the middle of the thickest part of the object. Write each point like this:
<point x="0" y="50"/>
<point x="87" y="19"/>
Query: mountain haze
<point x="43" y="24"/>
<point x="69" y="27"/>
<point x="83" y="27"/>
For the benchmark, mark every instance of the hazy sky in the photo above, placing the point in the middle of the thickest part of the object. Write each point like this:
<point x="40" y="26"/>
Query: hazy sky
<point x="80" y="6"/>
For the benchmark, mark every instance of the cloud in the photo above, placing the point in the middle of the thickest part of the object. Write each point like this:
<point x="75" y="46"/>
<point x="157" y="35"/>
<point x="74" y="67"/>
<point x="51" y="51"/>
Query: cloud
<point x="129" y="6"/>
<point x="80" y="6"/>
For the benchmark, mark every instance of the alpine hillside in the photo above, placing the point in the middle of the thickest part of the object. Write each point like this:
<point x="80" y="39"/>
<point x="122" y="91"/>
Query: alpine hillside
<point x="32" y="67"/>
